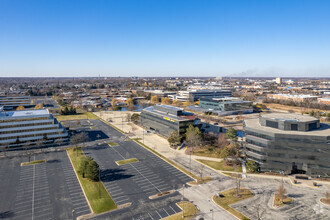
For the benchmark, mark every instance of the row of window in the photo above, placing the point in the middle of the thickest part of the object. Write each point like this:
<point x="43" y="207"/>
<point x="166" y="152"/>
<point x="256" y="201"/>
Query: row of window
<point x="255" y="151"/>
<point x="29" y="130"/>
<point x="25" y="125"/>
<point x="23" y="119"/>
<point x="30" y="135"/>
<point x="267" y="137"/>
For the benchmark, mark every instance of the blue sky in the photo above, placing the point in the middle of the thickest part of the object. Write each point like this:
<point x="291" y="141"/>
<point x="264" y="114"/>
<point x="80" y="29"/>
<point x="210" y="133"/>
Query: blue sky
<point x="165" y="38"/>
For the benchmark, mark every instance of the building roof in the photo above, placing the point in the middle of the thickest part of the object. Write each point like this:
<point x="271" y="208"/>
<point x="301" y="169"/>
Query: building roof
<point x="289" y="117"/>
<point x="253" y="123"/>
<point x="24" y="113"/>
<point x="167" y="115"/>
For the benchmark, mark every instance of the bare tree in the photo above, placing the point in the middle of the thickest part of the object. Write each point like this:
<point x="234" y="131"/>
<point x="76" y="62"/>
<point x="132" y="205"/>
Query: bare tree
<point x="281" y="191"/>
<point x="259" y="210"/>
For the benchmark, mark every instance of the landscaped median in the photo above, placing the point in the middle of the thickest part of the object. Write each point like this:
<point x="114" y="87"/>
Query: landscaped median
<point x="189" y="211"/>
<point x="229" y="197"/>
<point x="112" y="144"/>
<point x="95" y="192"/>
<point x="126" y="161"/>
<point x="32" y="162"/>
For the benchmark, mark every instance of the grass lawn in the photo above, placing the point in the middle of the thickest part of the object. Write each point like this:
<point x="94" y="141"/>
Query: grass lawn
<point x="234" y="175"/>
<point x="220" y="165"/>
<point x="122" y="162"/>
<point x="91" y="188"/>
<point x="201" y="180"/>
<point x="206" y="153"/>
<point x="189" y="211"/>
<point x="78" y="116"/>
<point x="230" y="198"/>
<point x="32" y="162"/>
<point x="112" y="144"/>
<point x="278" y="202"/>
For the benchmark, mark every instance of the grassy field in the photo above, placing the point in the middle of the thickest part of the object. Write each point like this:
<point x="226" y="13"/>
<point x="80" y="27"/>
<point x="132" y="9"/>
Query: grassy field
<point x="230" y="198"/>
<point x="220" y="165"/>
<point x="78" y="116"/>
<point x="100" y="202"/>
<point x="112" y="144"/>
<point x="32" y="162"/>
<point x="131" y="160"/>
<point x="278" y="202"/>
<point x="189" y="211"/>
<point x="206" y="153"/>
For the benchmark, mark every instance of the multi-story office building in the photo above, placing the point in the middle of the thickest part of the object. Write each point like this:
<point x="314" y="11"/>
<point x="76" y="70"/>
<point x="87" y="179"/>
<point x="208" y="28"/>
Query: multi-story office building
<point x="196" y="94"/>
<point x="25" y="127"/>
<point x="12" y="102"/>
<point x="289" y="142"/>
<point x="164" y="119"/>
<point x="295" y="98"/>
<point x="226" y="104"/>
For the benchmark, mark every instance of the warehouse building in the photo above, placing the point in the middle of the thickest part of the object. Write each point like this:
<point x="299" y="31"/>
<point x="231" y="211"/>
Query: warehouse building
<point x="26" y="127"/>
<point x="289" y="142"/>
<point x="164" y="119"/>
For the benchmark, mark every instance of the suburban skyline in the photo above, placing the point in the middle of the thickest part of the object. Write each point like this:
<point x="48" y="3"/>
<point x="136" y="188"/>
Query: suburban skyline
<point x="164" y="38"/>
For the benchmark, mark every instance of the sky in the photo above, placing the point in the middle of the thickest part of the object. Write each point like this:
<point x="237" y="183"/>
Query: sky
<point x="198" y="38"/>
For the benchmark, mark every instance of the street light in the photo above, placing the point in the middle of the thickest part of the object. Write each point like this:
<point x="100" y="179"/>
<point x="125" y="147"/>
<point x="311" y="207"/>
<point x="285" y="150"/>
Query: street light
<point x="182" y="201"/>
<point x="73" y="214"/>
<point x="211" y="210"/>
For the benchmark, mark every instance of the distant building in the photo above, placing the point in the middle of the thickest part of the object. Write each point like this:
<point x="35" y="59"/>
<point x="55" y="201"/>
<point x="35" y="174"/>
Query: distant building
<point x="226" y="104"/>
<point x="195" y="95"/>
<point x="164" y="119"/>
<point x="325" y="101"/>
<point x="160" y="93"/>
<point x="12" y="102"/>
<point x="288" y="142"/>
<point x="295" y="98"/>
<point x="278" y="80"/>
<point x="25" y="127"/>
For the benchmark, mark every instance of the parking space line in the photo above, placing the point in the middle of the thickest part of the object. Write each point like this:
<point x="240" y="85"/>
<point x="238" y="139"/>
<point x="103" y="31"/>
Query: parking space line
<point x="173" y="210"/>
<point x="159" y="214"/>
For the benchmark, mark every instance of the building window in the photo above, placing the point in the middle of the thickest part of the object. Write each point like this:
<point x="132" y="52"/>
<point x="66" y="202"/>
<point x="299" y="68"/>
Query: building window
<point x="294" y="127"/>
<point x="271" y="124"/>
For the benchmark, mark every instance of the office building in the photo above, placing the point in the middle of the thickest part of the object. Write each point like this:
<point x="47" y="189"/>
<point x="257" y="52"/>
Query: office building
<point x="164" y="119"/>
<point x="226" y="104"/>
<point x="278" y="80"/>
<point x="12" y="102"/>
<point x="289" y="142"/>
<point x="18" y="128"/>
<point x="196" y="94"/>
<point x="295" y="98"/>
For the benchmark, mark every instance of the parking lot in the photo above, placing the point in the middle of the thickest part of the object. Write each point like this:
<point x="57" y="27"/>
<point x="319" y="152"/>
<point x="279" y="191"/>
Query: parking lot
<point x="135" y="182"/>
<point x="43" y="191"/>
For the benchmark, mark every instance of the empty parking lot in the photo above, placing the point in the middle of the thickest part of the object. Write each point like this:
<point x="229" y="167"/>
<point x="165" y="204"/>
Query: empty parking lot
<point x="43" y="191"/>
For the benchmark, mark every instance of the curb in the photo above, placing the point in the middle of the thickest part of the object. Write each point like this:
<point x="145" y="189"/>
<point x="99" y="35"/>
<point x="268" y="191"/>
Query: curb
<point x="224" y="209"/>
<point x="90" y="207"/>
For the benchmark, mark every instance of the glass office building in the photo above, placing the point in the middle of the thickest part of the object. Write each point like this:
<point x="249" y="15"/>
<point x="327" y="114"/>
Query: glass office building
<point x="289" y="142"/>
<point x="26" y="127"/>
<point x="164" y="119"/>
<point x="225" y="104"/>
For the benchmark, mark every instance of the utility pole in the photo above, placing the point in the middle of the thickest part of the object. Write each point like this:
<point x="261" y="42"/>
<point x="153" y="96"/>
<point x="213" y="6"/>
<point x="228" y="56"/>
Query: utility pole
<point x="99" y="184"/>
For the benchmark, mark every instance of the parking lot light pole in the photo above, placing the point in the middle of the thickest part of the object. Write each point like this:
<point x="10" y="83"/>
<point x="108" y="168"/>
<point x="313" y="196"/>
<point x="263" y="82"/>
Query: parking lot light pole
<point x="212" y="213"/>
<point x="182" y="201"/>
<point x="99" y="184"/>
<point x="73" y="214"/>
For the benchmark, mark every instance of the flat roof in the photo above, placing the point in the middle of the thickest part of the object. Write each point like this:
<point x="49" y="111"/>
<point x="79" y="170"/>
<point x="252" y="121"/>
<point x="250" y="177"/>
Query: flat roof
<point x="253" y="123"/>
<point x="24" y="113"/>
<point x="164" y="114"/>
<point x="289" y="117"/>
